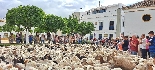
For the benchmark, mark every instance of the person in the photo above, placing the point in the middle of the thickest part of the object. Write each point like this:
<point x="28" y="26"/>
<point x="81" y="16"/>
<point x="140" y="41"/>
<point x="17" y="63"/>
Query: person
<point x="17" y="38"/>
<point x="11" y="38"/>
<point x="73" y="40"/>
<point x="134" y="45"/>
<point x="116" y="41"/>
<point x="143" y="46"/>
<point x="49" y="37"/>
<point x="147" y="47"/>
<point x="140" y="47"/>
<point x="21" y="37"/>
<point x="125" y="43"/>
<point x="103" y="42"/>
<point x="30" y="39"/>
<point x="42" y="38"/>
<point x="0" y="39"/>
<point x="151" y="44"/>
<point x="119" y="46"/>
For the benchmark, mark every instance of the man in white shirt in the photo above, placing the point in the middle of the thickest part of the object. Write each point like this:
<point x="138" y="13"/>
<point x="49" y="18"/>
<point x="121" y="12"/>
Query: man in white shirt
<point x="143" y="46"/>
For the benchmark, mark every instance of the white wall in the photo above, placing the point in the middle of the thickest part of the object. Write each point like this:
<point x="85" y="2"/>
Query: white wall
<point x="134" y="23"/>
<point x="111" y="15"/>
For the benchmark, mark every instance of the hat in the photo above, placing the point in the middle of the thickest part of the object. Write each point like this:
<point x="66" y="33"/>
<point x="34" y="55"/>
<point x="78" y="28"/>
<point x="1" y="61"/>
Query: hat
<point x="151" y="32"/>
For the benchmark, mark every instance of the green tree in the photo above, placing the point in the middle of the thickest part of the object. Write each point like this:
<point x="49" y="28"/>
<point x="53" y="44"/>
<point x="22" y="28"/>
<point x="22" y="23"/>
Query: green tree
<point x="26" y="16"/>
<point x="51" y="23"/>
<point x="8" y="28"/>
<point x="1" y="28"/>
<point x="71" y="24"/>
<point x="85" y="28"/>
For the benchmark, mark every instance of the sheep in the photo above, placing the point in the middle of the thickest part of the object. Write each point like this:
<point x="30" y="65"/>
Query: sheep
<point x="84" y="57"/>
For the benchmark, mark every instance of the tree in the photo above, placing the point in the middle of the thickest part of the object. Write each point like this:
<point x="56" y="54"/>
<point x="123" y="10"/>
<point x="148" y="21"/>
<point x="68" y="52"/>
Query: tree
<point x="85" y="28"/>
<point x="51" y="23"/>
<point x="71" y="24"/>
<point x="1" y="29"/>
<point x="8" y="28"/>
<point x="26" y="16"/>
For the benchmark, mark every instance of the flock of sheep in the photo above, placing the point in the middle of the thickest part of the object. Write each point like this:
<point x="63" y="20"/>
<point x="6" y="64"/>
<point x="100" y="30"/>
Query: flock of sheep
<point x="70" y="57"/>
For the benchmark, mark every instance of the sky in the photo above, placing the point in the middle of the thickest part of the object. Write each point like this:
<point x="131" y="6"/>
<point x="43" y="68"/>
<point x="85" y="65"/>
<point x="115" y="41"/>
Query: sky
<point x="60" y="7"/>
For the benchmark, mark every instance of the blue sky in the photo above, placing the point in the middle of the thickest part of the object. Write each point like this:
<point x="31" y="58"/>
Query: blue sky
<point x="60" y="7"/>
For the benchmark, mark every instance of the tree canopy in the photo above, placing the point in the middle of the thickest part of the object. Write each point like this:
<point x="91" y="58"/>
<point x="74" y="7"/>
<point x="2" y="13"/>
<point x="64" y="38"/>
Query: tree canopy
<point x="51" y="23"/>
<point x="25" y="17"/>
<point x="84" y="28"/>
<point x="71" y="24"/>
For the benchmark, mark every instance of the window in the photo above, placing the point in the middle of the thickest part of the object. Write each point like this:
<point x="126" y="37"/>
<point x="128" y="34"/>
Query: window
<point x="122" y="34"/>
<point x="94" y="12"/>
<point x="103" y="10"/>
<point x="146" y="17"/>
<point x="87" y="13"/>
<point x="140" y="10"/>
<point x="111" y="25"/>
<point x="100" y="36"/>
<point x="151" y="9"/>
<point x="91" y="36"/>
<point x="131" y="11"/>
<point x="95" y="23"/>
<point x="105" y="35"/>
<point x="123" y="23"/>
<point x="98" y="11"/>
<point x="100" y="25"/>
<point x="110" y="36"/>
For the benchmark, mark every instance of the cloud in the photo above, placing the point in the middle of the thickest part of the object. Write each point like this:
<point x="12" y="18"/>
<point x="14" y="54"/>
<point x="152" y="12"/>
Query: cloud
<point x="59" y="7"/>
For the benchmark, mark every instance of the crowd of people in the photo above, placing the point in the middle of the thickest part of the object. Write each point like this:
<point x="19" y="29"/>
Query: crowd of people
<point x="137" y="45"/>
<point x="143" y="46"/>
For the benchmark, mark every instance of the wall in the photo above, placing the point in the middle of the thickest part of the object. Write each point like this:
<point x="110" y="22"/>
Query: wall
<point x="134" y="23"/>
<point x="105" y="17"/>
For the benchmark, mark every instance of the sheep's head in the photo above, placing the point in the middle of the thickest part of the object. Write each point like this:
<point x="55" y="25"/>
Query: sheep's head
<point x="149" y="66"/>
<point x="99" y="58"/>
<point x="140" y="66"/>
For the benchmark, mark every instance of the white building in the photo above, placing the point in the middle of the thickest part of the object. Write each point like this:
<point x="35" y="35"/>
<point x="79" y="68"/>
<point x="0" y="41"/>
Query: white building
<point x="140" y="18"/>
<point x="3" y="34"/>
<point x="105" y="21"/>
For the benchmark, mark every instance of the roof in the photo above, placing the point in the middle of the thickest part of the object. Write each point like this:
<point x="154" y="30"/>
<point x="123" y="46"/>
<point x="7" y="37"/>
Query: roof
<point x="1" y="20"/>
<point x="105" y="7"/>
<point x="142" y="4"/>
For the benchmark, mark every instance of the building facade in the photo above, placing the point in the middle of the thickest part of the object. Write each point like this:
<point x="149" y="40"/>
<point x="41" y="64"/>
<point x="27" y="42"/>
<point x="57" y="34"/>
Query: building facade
<point x="139" y="18"/>
<point x="105" y="20"/>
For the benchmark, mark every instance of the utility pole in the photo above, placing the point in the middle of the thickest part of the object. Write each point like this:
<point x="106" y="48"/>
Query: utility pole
<point x="99" y="4"/>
